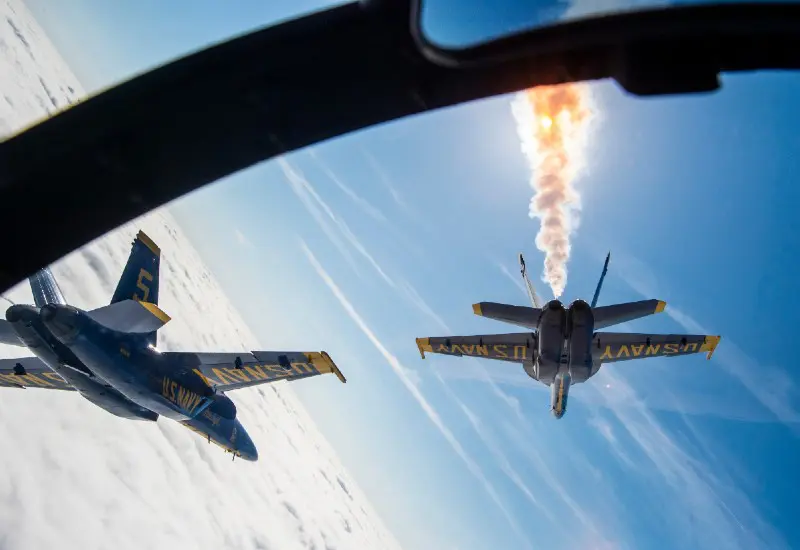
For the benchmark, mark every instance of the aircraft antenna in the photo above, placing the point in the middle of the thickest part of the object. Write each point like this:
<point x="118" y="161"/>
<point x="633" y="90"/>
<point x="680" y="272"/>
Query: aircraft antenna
<point x="600" y="282"/>
<point x="531" y="291"/>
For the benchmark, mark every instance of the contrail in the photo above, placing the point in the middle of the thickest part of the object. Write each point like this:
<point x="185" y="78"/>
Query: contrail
<point x="552" y="123"/>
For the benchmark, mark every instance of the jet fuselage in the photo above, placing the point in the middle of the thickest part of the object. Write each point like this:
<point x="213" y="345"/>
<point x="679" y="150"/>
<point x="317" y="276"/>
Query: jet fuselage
<point x="142" y="375"/>
<point x="564" y="353"/>
<point x="27" y="323"/>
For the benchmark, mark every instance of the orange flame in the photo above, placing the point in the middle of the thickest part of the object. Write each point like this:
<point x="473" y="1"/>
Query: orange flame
<point x="552" y="123"/>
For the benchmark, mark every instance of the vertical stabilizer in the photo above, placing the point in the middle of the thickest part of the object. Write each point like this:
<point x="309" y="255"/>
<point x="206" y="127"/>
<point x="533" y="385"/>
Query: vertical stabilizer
<point x="139" y="280"/>
<point x="600" y="282"/>
<point x="531" y="291"/>
<point x="45" y="288"/>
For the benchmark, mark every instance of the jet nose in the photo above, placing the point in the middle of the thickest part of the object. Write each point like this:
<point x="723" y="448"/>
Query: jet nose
<point x="557" y="413"/>
<point x="62" y="321"/>
<point x="247" y="448"/>
<point x="249" y="451"/>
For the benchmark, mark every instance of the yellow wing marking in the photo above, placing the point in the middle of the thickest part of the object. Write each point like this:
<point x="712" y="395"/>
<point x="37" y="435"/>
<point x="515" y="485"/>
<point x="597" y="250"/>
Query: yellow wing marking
<point x="156" y="311"/>
<point x="424" y="344"/>
<point x="148" y="242"/>
<point x="324" y="364"/>
<point x="710" y="344"/>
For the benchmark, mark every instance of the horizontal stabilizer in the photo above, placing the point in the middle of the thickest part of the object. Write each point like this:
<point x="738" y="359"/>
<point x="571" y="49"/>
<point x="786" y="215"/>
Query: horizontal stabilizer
<point x="30" y="372"/>
<point x="227" y="371"/>
<point x="527" y="317"/>
<point x="516" y="347"/>
<point x="130" y="316"/>
<point x="610" y="347"/>
<point x="7" y="334"/>
<point x="607" y="316"/>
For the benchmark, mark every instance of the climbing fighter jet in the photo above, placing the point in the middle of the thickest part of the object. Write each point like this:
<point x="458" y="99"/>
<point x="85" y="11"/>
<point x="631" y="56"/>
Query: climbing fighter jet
<point x="564" y="347"/>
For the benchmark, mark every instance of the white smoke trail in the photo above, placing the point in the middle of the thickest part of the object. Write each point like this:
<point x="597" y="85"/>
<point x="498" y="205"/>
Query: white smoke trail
<point x="552" y="123"/>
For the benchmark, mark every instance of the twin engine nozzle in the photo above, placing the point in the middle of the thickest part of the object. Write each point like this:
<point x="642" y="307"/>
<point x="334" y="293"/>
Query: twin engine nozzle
<point x="63" y="321"/>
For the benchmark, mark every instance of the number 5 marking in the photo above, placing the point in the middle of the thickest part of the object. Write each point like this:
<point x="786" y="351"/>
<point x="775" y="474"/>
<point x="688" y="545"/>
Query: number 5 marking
<point x="143" y="286"/>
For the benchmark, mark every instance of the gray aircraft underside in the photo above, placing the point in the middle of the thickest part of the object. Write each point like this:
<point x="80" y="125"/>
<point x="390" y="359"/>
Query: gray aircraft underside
<point x="564" y="347"/>
<point x="109" y="356"/>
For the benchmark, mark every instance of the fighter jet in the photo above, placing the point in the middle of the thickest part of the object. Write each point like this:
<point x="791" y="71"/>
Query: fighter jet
<point x="564" y="347"/>
<point x="109" y="356"/>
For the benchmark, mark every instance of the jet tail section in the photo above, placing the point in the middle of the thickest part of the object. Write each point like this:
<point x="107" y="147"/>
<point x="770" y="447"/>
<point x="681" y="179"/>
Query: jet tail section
<point x="606" y="316"/>
<point x="131" y="316"/>
<point x="45" y="288"/>
<point x="139" y="280"/>
<point x="527" y="317"/>
<point x="600" y="282"/>
<point x="531" y="291"/>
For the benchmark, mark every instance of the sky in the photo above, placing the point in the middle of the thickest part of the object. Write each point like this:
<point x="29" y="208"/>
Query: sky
<point x="363" y="243"/>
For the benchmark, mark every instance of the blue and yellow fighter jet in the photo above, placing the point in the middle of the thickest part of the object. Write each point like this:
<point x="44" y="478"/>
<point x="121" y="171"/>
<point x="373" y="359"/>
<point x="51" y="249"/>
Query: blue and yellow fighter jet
<point x="564" y="347"/>
<point x="109" y="356"/>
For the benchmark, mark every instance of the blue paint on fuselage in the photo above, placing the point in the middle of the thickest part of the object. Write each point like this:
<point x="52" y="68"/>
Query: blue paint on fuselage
<point x="147" y="377"/>
<point x="226" y="433"/>
<point x="128" y="366"/>
<point x="26" y="322"/>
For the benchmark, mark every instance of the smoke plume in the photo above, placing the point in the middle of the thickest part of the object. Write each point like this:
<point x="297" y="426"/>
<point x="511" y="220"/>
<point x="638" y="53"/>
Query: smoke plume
<point x="552" y="122"/>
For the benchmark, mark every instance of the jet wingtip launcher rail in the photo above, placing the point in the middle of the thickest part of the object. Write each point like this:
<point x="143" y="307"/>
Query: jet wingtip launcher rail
<point x="331" y="366"/>
<point x="423" y="345"/>
<point x="710" y="345"/>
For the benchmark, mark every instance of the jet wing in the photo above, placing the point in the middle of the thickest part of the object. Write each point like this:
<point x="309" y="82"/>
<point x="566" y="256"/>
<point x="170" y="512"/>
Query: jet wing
<point x="527" y="317"/>
<point x="30" y="372"/>
<point x="231" y="371"/>
<point x="516" y="347"/>
<point x="7" y="334"/>
<point x="133" y="316"/>
<point x="610" y="347"/>
<point x="607" y="316"/>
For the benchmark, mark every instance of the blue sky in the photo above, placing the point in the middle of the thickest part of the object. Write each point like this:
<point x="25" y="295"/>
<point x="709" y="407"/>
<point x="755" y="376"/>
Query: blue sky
<point x="361" y="244"/>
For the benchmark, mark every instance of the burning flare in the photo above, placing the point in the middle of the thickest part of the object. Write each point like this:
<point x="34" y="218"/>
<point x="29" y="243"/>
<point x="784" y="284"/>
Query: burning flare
<point x="552" y="122"/>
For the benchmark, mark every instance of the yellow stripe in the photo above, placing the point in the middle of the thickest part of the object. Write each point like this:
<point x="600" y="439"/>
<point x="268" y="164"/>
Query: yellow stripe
<point x="148" y="242"/>
<point x="324" y="364"/>
<point x="660" y="306"/>
<point x="424" y="344"/>
<point x="154" y="309"/>
<point x="710" y="344"/>
<point x="560" y="400"/>
<point x="476" y="309"/>
<point x="334" y="368"/>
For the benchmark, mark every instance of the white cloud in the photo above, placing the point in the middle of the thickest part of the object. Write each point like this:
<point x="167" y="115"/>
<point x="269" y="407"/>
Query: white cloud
<point x="82" y="478"/>
<point x="410" y="377"/>
<point x="415" y="392"/>
<point x="106" y="467"/>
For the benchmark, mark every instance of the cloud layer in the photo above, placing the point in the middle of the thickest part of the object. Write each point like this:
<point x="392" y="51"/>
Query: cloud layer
<point x="81" y="478"/>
